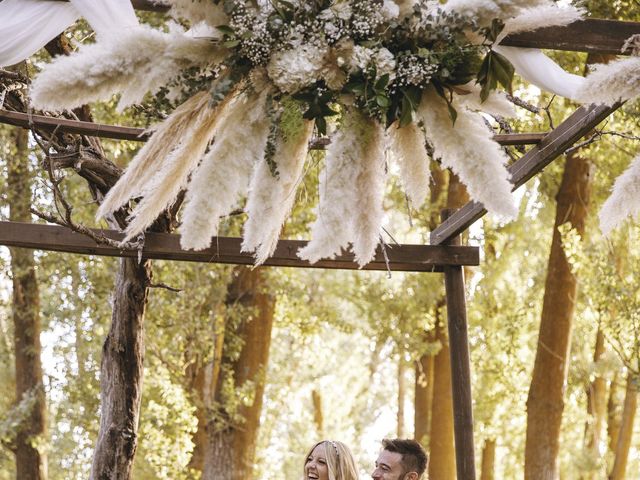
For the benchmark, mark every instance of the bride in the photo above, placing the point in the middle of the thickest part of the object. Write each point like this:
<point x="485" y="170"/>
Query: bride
<point x="330" y="460"/>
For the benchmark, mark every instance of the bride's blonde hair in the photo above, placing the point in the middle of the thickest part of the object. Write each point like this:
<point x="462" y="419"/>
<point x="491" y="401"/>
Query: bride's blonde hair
<point x="340" y="462"/>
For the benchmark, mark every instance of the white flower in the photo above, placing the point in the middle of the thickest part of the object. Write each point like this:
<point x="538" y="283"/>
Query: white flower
<point x="295" y="69"/>
<point x="385" y="63"/>
<point x="360" y="58"/>
<point x="390" y="10"/>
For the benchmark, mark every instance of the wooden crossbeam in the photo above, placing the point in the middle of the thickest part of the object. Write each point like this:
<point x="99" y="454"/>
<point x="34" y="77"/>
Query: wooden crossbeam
<point x="140" y="135"/>
<point x="554" y="144"/>
<point x="165" y="246"/>
<point x="590" y="35"/>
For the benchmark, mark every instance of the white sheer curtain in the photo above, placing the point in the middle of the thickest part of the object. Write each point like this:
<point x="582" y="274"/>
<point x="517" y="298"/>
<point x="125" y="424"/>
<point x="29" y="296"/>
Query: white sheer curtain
<point x="27" y="25"/>
<point x="538" y="69"/>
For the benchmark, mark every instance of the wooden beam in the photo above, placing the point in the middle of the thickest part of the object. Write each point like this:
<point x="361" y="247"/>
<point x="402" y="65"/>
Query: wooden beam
<point x="101" y="130"/>
<point x="590" y="35"/>
<point x="165" y="246"/>
<point x="554" y="144"/>
<point x="140" y="134"/>
<point x="460" y="367"/>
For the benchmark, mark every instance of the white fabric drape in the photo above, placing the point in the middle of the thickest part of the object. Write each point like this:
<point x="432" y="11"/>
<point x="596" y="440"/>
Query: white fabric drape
<point x="107" y="16"/>
<point x="538" y="69"/>
<point x="27" y="25"/>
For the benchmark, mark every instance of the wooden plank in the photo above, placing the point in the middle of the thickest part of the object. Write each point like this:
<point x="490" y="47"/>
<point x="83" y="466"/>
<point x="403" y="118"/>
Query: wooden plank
<point x="164" y="246"/>
<point x="116" y="132"/>
<point x="460" y="367"/>
<point x="101" y="130"/>
<point x="590" y="35"/>
<point x="581" y="122"/>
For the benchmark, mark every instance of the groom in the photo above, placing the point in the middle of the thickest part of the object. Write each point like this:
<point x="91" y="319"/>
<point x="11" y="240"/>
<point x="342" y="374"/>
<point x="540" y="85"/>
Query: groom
<point x="400" y="459"/>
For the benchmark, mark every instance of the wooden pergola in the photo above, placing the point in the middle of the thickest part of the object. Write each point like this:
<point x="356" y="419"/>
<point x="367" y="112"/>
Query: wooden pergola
<point x="445" y="252"/>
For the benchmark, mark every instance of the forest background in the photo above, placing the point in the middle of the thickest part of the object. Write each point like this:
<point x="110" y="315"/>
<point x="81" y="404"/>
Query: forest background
<point x="273" y="360"/>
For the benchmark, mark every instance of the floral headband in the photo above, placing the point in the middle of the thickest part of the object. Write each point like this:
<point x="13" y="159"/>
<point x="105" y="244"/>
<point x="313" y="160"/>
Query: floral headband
<point x="334" y="445"/>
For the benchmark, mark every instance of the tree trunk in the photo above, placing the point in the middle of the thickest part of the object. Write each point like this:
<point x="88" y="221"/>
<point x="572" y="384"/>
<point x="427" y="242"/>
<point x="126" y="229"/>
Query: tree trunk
<point x="424" y="377"/>
<point x="596" y="406"/>
<point x="31" y="464"/>
<point x="121" y="375"/>
<point x="318" y="416"/>
<point x="231" y="443"/>
<point x="402" y="387"/>
<point x="488" y="460"/>
<point x="545" y="402"/>
<point x="614" y="414"/>
<point x="626" y="431"/>
<point x="423" y="395"/>
<point x="442" y="459"/>
<point x="204" y="379"/>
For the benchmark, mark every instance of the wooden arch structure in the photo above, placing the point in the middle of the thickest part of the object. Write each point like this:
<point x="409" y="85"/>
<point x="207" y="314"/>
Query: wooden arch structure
<point x="444" y="254"/>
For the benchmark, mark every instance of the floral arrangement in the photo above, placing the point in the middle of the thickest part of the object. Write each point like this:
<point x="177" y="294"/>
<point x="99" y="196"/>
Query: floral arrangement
<point x="254" y="80"/>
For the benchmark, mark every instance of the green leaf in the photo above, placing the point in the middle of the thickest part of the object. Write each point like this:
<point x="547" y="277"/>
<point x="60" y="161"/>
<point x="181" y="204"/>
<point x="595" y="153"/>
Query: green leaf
<point x="383" y="101"/>
<point x="406" y="112"/>
<point x="382" y="82"/>
<point x="226" y="29"/>
<point x="504" y="71"/>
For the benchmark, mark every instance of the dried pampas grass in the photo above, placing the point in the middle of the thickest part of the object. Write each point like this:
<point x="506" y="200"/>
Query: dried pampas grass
<point x="624" y="201"/>
<point x="271" y="197"/>
<point x="137" y="61"/>
<point x="150" y="158"/>
<point x="407" y="146"/>
<point x="486" y="10"/>
<point x="163" y="187"/>
<point x="225" y="171"/>
<point x="545" y="15"/>
<point x="197" y="11"/>
<point x="351" y="192"/>
<point x="496" y="104"/>
<point x="610" y="83"/>
<point x="469" y="150"/>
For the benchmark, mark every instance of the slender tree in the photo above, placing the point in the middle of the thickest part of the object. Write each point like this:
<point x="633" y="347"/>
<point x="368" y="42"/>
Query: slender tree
<point x="31" y="459"/>
<point x="626" y="430"/>
<point x="545" y="403"/>
<point x="233" y="424"/>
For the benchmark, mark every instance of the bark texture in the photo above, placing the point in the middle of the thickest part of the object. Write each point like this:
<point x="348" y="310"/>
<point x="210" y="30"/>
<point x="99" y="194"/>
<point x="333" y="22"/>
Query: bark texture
<point x="545" y="402"/>
<point x="31" y="464"/>
<point x="626" y="431"/>
<point x="232" y="433"/>
<point x="402" y="392"/>
<point x="596" y="406"/>
<point x="488" y="460"/>
<point x="121" y="375"/>
<point x="423" y="396"/>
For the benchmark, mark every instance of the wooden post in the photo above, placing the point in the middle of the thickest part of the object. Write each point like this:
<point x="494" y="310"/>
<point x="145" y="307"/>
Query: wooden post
<point x="460" y="368"/>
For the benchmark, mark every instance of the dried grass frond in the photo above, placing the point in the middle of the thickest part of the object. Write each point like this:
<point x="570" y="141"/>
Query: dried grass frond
<point x="165" y="185"/>
<point x="624" y="202"/>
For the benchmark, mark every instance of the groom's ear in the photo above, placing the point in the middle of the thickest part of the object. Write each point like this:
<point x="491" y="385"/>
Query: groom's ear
<point x="411" y="476"/>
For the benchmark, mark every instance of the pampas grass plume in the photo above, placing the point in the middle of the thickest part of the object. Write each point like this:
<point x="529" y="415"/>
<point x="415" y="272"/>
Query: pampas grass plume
<point x="624" y="201"/>
<point x="469" y="150"/>
<point x="137" y="61"/>
<point x="224" y="174"/>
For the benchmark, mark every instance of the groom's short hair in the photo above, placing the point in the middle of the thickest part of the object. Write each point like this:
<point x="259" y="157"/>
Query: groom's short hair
<point x="414" y="457"/>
